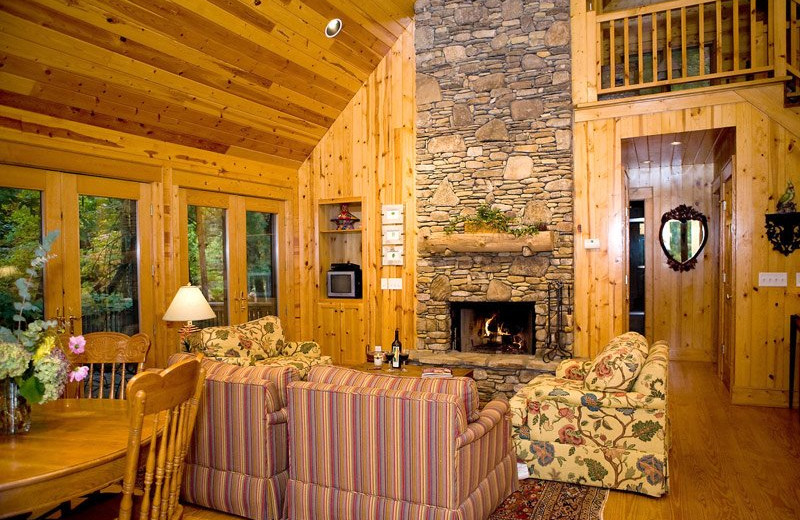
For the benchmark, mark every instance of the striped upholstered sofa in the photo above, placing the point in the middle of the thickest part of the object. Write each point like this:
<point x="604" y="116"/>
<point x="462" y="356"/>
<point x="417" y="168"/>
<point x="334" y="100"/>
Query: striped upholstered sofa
<point x="372" y="446"/>
<point x="600" y="422"/>
<point x="238" y="457"/>
<point x="257" y="342"/>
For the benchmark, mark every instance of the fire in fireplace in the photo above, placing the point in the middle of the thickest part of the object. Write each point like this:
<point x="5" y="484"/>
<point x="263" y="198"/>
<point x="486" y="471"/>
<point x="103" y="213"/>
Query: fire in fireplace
<point x="493" y="327"/>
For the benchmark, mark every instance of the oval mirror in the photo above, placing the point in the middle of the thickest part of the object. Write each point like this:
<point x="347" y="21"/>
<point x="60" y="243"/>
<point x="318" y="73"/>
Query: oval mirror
<point x="683" y="234"/>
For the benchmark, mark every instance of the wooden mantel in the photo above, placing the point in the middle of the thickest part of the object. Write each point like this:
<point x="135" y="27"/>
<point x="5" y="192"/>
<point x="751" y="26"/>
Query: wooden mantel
<point x="486" y="242"/>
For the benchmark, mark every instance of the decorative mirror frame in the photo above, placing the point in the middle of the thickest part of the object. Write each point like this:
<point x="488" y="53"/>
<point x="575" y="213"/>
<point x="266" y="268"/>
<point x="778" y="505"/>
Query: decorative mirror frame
<point x="682" y="213"/>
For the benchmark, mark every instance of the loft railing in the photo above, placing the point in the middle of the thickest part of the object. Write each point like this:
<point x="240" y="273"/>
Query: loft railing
<point x="793" y="48"/>
<point x="684" y="44"/>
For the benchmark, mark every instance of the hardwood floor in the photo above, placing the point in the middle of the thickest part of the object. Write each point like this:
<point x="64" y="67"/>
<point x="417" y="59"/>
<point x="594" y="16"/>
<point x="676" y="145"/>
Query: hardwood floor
<point x="727" y="462"/>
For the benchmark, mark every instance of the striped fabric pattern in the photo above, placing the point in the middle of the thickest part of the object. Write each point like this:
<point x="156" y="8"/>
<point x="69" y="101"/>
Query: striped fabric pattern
<point x="379" y="453"/>
<point x="238" y="457"/>
<point x="462" y="387"/>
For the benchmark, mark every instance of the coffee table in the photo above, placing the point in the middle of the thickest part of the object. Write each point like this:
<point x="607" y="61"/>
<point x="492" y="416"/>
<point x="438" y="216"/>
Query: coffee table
<point x="406" y="371"/>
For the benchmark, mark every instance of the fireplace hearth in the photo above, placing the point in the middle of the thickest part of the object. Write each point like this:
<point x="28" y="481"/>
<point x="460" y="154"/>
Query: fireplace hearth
<point x="493" y="327"/>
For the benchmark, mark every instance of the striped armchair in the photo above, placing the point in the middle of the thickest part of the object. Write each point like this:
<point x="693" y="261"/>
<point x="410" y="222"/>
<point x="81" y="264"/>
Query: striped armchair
<point x="369" y="446"/>
<point x="238" y="456"/>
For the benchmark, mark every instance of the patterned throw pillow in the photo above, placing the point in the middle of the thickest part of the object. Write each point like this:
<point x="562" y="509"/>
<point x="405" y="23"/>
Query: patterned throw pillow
<point x="631" y="339"/>
<point x="615" y="369"/>
<point x="255" y="340"/>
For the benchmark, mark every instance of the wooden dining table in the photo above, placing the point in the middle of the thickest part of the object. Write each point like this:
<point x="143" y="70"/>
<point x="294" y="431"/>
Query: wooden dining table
<point x="74" y="447"/>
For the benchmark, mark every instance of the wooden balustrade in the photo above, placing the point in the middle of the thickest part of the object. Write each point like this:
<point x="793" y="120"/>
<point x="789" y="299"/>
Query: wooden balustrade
<point x="793" y="45"/>
<point x="686" y="43"/>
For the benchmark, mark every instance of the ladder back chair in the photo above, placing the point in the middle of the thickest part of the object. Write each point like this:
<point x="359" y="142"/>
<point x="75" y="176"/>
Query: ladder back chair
<point x="113" y="358"/>
<point x="169" y="399"/>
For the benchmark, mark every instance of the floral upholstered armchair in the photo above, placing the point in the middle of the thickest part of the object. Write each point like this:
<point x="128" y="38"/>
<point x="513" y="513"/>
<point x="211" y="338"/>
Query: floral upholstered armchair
<point x="599" y="423"/>
<point x="256" y="343"/>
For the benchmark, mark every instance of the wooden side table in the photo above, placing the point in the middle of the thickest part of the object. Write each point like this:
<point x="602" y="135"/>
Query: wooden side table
<point x="406" y="371"/>
<point x="794" y="326"/>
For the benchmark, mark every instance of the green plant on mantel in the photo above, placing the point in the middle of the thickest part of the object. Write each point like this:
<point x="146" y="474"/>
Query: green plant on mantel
<point x="495" y="220"/>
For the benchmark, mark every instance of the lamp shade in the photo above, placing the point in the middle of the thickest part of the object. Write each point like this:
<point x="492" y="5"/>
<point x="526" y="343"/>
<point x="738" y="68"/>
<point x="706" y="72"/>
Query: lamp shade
<point x="189" y="304"/>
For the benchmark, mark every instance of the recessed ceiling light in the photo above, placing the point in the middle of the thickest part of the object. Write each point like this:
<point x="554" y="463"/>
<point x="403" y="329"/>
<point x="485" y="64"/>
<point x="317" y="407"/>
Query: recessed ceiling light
<point x="675" y="143"/>
<point x="647" y="162"/>
<point x="333" y="28"/>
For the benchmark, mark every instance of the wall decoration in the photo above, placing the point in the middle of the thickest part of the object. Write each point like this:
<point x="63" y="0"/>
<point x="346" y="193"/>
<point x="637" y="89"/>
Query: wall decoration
<point x="683" y="235"/>
<point x="392" y="255"/>
<point x="783" y="231"/>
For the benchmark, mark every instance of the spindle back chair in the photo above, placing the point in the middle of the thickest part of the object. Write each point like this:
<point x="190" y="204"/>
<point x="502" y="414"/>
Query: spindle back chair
<point x="112" y="358"/>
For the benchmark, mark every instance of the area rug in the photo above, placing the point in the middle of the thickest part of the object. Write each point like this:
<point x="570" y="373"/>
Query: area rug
<point x="549" y="500"/>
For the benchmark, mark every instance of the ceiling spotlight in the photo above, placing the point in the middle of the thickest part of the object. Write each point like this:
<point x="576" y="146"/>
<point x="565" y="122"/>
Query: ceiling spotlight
<point x="333" y="28"/>
<point x="675" y="143"/>
<point x="647" y="162"/>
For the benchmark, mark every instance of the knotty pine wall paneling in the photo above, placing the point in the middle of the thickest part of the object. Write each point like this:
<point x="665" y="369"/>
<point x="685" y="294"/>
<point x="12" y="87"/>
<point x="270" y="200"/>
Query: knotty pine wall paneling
<point x="369" y="154"/>
<point x="767" y="155"/>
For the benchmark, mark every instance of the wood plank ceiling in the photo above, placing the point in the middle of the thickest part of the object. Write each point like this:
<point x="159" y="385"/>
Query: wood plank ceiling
<point x="249" y="78"/>
<point x="689" y="148"/>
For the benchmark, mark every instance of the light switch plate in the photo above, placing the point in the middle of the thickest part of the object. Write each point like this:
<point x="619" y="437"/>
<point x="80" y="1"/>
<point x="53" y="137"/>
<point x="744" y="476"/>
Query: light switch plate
<point x="591" y="243"/>
<point x="772" y="280"/>
<point x="384" y="283"/>
<point x="797" y="279"/>
<point x="395" y="284"/>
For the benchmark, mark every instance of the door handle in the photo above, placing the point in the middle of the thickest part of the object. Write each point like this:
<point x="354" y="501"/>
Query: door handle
<point x="728" y="296"/>
<point x="72" y="319"/>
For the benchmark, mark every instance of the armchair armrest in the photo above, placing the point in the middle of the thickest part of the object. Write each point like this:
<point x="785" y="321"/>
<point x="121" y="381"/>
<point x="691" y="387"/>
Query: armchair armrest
<point x="575" y="369"/>
<point x="491" y="415"/>
<point x="567" y="391"/>
<point x="309" y="348"/>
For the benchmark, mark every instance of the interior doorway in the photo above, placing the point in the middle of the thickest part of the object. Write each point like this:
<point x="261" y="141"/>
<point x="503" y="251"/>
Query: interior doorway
<point x="674" y="239"/>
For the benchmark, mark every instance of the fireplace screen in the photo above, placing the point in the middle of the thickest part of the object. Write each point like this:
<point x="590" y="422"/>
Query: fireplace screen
<point x="493" y="327"/>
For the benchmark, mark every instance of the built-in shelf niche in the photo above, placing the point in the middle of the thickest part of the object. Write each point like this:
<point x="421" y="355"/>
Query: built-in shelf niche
<point x="337" y="245"/>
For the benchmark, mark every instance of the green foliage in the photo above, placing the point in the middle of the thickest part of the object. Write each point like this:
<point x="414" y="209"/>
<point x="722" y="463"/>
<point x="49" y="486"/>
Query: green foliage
<point x="595" y="469"/>
<point x="645" y="430"/>
<point x="494" y="219"/>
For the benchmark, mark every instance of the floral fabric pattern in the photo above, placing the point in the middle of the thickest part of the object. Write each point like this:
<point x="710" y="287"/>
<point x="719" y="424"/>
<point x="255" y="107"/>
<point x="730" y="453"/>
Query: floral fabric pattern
<point x="565" y="431"/>
<point x="575" y="369"/>
<point x="615" y="369"/>
<point x="259" y="342"/>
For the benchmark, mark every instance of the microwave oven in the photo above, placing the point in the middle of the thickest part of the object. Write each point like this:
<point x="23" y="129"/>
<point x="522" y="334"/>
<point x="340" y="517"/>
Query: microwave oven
<point x="344" y="281"/>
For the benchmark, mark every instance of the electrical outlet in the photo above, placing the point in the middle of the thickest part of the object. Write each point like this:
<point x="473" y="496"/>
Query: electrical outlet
<point x="772" y="279"/>
<point x="797" y="279"/>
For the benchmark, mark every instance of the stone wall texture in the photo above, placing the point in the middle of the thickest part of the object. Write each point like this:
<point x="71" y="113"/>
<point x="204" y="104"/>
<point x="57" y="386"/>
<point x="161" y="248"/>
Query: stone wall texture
<point x="494" y="127"/>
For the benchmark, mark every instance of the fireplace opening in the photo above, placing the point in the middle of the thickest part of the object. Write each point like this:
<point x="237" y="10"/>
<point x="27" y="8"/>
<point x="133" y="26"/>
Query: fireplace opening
<point x="493" y="327"/>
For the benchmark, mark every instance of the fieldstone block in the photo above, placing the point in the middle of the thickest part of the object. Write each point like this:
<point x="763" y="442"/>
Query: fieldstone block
<point x="536" y="211"/>
<point x="529" y="266"/>
<point x="533" y="62"/>
<point x="487" y="83"/>
<point x="423" y="38"/>
<point x="462" y="116"/>
<point x="455" y="53"/>
<point x="557" y="35"/>
<point x="518" y="167"/>
<point x="559" y="185"/>
<point x="446" y="143"/>
<point x="563" y="139"/>
<point x="428" y="90"/>
<point x="494" y="130"/>
<point x="527" y="109"/>
<point x="444" y="195"/>
<point x="440" y="288"/>
<point x="511" y="9"/>
<point x="468" y="15"/>
<point x="498" y="291"/>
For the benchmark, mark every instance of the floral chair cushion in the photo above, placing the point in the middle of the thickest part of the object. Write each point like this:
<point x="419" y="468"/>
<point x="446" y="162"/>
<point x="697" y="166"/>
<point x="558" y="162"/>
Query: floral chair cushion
<point x="575" y="369"/>
<point x="651" y="380"/>
<point x="302" y="362"/>
<point x="630" y="339"/>
<point x="615" y="369"/>
<point x="254" y="340"/>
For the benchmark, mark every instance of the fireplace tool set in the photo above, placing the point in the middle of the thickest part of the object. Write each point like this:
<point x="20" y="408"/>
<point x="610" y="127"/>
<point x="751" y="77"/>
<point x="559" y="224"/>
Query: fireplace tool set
<point x="559" y="321"/>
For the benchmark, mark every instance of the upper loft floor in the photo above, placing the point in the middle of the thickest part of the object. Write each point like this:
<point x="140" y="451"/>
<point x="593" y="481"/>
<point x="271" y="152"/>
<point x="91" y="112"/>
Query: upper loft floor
<point x="635" y="48"/>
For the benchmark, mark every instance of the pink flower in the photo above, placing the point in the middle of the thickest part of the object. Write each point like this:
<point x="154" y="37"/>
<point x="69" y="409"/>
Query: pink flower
<point x="79" y="374"/>
<point x="566" y="412"/>
<point x="76" y="345"/>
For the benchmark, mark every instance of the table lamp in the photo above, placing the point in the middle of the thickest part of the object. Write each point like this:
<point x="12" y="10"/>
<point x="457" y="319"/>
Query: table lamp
<point x="189" y="304"/>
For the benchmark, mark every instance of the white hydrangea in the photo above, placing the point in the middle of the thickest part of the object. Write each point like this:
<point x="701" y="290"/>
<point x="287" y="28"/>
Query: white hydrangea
<point x="14" y="360"/>
<point x="51" y="371"/>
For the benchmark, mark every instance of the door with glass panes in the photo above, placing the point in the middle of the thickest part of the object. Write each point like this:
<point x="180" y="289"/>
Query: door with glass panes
<point x="99" y="276"/>
<point x="229" y="250"/>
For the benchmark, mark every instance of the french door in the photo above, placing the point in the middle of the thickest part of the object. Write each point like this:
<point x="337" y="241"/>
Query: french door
<point x="229" y="243"/>
<point x="97" y="278"/>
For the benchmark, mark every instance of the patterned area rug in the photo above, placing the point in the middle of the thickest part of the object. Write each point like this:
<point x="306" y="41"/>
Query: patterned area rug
<point x="549" y="500"/>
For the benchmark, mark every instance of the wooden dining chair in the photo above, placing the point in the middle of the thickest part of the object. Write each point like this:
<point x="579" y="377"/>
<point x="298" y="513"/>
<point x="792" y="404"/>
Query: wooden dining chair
<point x="171" y="398"/>
<point x="154" y="471"/>
<point x="113" y="358"/>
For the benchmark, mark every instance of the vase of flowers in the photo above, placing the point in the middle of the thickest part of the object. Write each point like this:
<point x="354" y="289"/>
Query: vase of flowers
<point x="33" y="367"/>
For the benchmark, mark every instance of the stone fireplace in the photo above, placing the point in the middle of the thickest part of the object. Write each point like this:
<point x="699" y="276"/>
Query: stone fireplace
<point x="493" y="327"/>
<point x="493" y="127"/>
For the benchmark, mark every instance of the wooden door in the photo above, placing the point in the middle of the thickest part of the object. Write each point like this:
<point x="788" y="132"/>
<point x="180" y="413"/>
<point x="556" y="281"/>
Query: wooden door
<point x="327" y="332"/>
<point x="726" y="244"/>
<point x="230" y="245"/>
<point x="99" y="276"/>
<point x="352" y="342"/>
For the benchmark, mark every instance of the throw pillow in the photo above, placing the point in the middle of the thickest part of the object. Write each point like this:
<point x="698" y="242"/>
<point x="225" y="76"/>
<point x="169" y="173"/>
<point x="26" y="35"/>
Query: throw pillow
<point x="615" y="369"/>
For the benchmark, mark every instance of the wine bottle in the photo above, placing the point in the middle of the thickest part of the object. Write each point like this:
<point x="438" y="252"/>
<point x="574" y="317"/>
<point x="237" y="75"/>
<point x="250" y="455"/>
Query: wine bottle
<point x="396" y="349"/>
